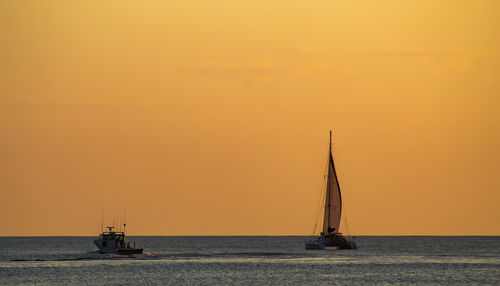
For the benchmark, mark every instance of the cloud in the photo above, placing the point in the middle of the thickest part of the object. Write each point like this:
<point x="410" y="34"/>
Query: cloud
<point x="305" y="50"/>
<point x="432" y="54"/>
<point x="213" y="68"/>
<point x="414" y="54"/>
<point x="51" y="104"/>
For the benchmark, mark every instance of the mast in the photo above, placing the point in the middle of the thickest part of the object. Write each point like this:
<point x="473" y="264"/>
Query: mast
<point x="333" y="201"/>
<point x="330" y="142"/>
<point x="328" y="180"/>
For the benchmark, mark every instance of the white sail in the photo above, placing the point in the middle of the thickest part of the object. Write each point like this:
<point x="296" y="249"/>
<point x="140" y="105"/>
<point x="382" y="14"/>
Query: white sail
<point x="333" y="201"/>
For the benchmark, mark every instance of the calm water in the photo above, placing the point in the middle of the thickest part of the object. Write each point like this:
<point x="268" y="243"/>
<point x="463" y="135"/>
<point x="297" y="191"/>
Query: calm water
<point x="252" y="261"/>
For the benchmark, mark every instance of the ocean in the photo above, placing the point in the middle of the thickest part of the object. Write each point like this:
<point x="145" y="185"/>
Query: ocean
<point x="252" y="260"/>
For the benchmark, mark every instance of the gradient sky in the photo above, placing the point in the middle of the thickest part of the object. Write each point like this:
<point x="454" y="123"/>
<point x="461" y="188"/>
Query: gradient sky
<point x="212" y="117"/>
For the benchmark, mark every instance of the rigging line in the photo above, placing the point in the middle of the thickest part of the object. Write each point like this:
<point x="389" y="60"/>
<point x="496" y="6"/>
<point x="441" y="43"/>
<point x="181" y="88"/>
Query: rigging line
<point x="345" y="221"/>
<point x="319" y="207"/>
<point x="320" y="204"/>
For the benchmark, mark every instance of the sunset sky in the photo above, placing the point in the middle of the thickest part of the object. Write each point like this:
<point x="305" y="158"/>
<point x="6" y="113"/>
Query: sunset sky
<point x="212" y="117"/>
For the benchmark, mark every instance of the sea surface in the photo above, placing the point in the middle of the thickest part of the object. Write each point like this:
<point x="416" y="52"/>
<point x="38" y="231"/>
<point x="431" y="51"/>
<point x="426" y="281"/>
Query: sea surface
<point x="252" y="260"/>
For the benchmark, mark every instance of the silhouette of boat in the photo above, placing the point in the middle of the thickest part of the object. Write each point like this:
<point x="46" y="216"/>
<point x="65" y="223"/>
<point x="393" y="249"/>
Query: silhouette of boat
<point x="330" y="235"/>
<point x="115" y="242"/>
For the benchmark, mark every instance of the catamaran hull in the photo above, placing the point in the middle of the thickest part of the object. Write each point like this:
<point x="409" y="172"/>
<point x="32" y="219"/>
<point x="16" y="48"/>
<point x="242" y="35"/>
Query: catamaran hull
<point x="339" y="241"/>
<point x="314" y="245"/>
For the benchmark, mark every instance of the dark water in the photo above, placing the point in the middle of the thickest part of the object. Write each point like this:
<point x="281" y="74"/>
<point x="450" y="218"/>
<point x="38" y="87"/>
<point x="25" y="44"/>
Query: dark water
<point x="252" y="260"/>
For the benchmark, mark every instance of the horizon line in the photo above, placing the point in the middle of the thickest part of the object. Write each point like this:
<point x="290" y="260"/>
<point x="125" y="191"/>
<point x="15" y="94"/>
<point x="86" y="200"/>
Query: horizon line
<point x="249" y="235"/>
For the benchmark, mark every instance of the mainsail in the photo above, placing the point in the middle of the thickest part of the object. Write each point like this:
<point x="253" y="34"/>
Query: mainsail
<point x="333" y="201"/>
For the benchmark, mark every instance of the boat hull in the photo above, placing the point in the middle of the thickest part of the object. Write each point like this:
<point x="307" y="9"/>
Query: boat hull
<point x="315" y="245"/>
<point x="110" y="250"/>
<point x="128" y="251"/>
<point x="339" y="241"/>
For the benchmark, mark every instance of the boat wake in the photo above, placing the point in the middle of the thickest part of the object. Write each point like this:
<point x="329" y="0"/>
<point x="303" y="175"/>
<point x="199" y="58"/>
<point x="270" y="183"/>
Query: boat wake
<point x="95" y="256"/>
<point x="149" y="254"/>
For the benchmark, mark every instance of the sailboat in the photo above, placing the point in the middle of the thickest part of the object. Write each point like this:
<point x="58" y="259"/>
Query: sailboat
<point x="331" y="235"/>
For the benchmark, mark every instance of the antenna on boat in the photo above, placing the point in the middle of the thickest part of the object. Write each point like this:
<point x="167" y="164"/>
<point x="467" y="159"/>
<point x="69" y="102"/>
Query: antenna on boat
<point x="102" y="219"/>
<point x="124" y="219"/>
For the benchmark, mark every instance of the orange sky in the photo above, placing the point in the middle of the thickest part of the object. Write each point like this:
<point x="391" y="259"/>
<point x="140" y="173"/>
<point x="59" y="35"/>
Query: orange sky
<point x="212" y="117"/>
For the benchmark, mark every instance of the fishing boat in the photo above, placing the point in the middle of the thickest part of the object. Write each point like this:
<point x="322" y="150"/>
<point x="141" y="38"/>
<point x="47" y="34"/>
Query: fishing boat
<point x="115" y="242"/>
<point x="331" y="235"/>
